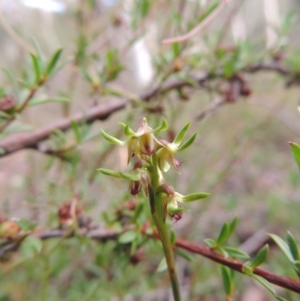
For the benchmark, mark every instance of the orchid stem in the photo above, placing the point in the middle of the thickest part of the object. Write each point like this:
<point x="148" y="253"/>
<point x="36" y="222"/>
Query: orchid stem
<point x="157" y="211"/>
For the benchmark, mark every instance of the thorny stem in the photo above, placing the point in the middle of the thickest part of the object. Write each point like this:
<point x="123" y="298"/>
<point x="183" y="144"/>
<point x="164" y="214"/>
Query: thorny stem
<point x="157" y="212"/>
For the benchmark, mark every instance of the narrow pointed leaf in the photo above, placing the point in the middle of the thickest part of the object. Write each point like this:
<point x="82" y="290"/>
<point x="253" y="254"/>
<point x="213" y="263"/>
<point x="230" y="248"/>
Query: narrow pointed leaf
<point x="178" y="139"/>
<point x="280" y="298"/>
<point x="232" y="225"/>
<point x="260" y="257"/>
<point x="293" y="246"/>
<point x="53" y="62"/>
<point x="195" y="196"/>
<point x="265" y="283"/>
<point x="187" y="143"/>
<point x="184" y="255"/>
<point x="162" y="127"/>
<point x="227" y="280"/>
<point x="36" y="67"/>
<point x="76" y="131"/>
<point x="210" y="242"/>
<point x="224" y="234"/>
<point x="37" y="101"/>
<point x="39" y="55"/>
<point x="283" y="246"/>
<point x="109" y="172"/>
<point x="129" y="176"/>
<point x="296" y="152"/>
<point x="236" y="253"/>
<point x="112" y="139"/>
<point x="223" y="252"/>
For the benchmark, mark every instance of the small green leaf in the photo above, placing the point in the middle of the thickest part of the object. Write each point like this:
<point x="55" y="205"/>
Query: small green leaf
<point x="37" y="101"/>
<point x="130" y="176"/>
<point x="293" y="246"/>
<point x="265" y="283"/>
<point x="222" y="251"/>
<point x="162" y="127"/>
<point x="30" y="246"/>
<point x="283" y="246"/>
<point x="162" y="266"/>
<point x="195" y="196"/>
<point x="227" y="280"/>
<point x="39" y="55"/>
<point x="127" y="237"/>
<point x="280" y="298"/>
<point x="247" y="270"/>
<point x="109" y="172"/>
<point x="224" y="234"/>
<point x="235" y="253"/>
<point x="178" y="139"/>
<point x="173" y="237"/>
<point x="53" y="62"/>
<point x="184" y="255"/>
<point x="112" y="139"/>
<point x="187" y="143"/>
<point x="36" y="66"/>
<point x="76" y="131"/>
<point x="210" y="242"/>
<point x="296" y="152"/>
<point x="260" y="257"/>
<point x="297" y="264"/>
<point x="232" y="225"/>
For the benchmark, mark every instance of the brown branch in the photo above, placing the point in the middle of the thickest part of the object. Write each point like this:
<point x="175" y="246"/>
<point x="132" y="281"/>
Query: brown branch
<point x="103" y="235"/>
<point x="285" y="282"/>
<point x="17" y="142"/>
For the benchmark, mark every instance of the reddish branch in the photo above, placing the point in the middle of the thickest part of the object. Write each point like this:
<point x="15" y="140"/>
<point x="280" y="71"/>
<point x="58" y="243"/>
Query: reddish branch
<point x="103" y="235"/>
<point x="101" y="112"/>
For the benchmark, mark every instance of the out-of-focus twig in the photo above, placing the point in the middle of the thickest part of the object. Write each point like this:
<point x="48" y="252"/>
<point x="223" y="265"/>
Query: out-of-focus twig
<point x="17" y="142"/>
<point x="198" y="27"/>
<point x="103" y="235"/>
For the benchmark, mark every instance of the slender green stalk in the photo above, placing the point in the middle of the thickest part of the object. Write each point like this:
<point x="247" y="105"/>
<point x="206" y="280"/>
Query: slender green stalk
<point x="157" y="211"/>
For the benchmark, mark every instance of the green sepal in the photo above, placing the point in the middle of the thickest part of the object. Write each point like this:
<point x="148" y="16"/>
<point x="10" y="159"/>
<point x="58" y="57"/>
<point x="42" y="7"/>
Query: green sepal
<point x="227" y="280"/>
<point x="187" y="143"/>
<point x="162" y="127"/>
<point x="110" y="172"/>
<point x="130" y="176"/>
<point x="293" y="246"/>
<point x="224" y="234"/>
<point x="127" y="130"/>
<point x="283" y="246"/>
<point x="179" y="137"/>
<point x="260" y="257"/>
<point x="210" y="243"/>
<point x="112" y="139"/>
<point x="264" y="283"/>
<point x="195" y="196"/>
<point x="172" y="210"/>
<point x="236" y="253"/>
